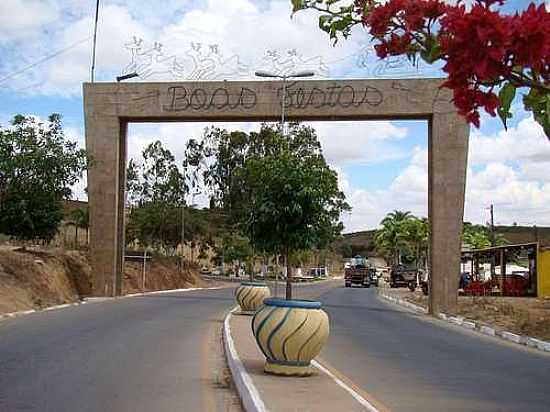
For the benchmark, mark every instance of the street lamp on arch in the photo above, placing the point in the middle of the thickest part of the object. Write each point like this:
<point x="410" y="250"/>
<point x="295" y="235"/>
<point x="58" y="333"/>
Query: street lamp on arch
<point x="284" y="77"/>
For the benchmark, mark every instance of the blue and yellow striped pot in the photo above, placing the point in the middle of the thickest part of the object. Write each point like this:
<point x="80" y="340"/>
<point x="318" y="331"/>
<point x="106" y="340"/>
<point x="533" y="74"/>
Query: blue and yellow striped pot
<point x="250" y="296"/>
<point x="290" y="334"/>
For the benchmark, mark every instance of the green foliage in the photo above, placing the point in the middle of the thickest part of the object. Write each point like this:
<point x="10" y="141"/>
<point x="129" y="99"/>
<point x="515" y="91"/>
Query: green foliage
<point x="156" y="190"/>
<point x="335" y="19"/>
<point x="220" y="154"/>
<point x="403" y="237"/>
<point x="38" y="166"/>
<point x="159" y="224"/>
<point x="506" y="96"/>
<point x="234" y="247"/>
<point x="346" y="250"/>
<point x="479" y="236"/>
<point x="538" y="102"/>
<point x="394" y="237"/>
<point x="30" y="214"/>
<point x="156" y="179"/>
<point x="80" y="218"/>
<point x="295" y="202"/>
<point x="277" y="193"/>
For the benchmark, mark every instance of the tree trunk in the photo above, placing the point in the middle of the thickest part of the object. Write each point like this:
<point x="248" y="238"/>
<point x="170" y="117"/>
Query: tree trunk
<point x="288" y="276"/>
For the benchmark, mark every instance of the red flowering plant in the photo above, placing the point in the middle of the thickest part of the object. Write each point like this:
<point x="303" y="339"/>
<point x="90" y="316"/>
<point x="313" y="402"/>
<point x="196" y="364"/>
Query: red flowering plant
<point x="486" y="54"/>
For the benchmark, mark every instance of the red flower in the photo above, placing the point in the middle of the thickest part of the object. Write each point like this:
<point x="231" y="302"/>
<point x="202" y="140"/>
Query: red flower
<point x="531" y="39"/>
<point x="480" y="47"/>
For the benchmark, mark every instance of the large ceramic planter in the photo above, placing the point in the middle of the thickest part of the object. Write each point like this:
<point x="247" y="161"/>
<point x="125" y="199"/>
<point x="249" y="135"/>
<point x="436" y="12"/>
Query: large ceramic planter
<point x="290" y="334"/>
<point x="250" y="296"/>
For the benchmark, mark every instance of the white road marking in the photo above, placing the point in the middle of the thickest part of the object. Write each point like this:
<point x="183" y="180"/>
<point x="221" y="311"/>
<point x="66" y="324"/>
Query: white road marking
<point x="369" y="406"/>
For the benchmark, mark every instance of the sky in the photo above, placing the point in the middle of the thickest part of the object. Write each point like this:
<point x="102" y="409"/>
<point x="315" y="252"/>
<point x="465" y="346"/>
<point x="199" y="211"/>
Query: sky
<point x="45" y="56"/>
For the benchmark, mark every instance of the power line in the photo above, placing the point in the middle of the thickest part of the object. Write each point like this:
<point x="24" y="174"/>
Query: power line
<point x="95" y="40"/>
<point x="42" y="60"/>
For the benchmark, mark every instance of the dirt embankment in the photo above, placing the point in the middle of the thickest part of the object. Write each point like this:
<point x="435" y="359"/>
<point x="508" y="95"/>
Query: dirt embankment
<point x="524" y="316"/>
<point x="35" y="279"/>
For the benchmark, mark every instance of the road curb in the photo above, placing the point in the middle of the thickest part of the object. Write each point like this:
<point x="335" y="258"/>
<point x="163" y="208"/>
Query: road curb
<point x="402" y="302"/>
<point x="250" y="398"/>
<point x="476" y="326"/>
<point x="84" y="301"/>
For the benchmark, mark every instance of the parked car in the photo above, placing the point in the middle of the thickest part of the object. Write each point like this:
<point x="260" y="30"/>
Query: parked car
<point x="321" y="272"/>
<point x="402" y="276"/>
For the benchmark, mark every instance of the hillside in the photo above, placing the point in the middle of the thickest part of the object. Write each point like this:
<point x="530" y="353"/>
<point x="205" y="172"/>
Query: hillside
<point x="35" y="279"/>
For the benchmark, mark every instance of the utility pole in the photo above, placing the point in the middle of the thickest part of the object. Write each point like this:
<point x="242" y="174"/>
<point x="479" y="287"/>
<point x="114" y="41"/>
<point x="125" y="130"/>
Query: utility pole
<point x="92" y="74"/>
<point x="492" y="226"/>
<point x="493" y="260"/>
<point x="182" y="241"/>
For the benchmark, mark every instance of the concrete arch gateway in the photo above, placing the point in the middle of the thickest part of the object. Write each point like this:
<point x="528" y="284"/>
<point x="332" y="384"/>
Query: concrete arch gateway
<point x="109" y="107"/>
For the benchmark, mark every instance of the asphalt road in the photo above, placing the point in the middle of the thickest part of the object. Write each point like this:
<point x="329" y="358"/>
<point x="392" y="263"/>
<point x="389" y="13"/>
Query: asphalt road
<point x="411" y="363"/>
<point x="163" y="353"/>
<point x="151" y="353"/>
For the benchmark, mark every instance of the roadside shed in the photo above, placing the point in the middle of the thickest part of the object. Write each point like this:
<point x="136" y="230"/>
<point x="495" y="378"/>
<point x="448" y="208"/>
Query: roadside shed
<point x="508" y="270"/>
<point x="543" y="272"/>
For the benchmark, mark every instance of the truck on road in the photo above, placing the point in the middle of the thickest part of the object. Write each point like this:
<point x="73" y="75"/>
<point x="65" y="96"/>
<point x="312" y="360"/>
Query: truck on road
<point x="360" y="272"/>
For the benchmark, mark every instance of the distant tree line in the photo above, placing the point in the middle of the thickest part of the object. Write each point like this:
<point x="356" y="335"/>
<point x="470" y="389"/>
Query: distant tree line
<point x="404" y="238"/>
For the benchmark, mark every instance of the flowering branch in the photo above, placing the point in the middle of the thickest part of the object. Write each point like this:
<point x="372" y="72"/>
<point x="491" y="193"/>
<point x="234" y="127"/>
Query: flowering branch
<point x="484" y="52"/>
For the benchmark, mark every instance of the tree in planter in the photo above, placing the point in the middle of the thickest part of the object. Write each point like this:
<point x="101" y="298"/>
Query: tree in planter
<point x="295" y="203"/>
<point x="38" y="166"/>
<point x="487" y="54"/>
<point x="219" y="157"/>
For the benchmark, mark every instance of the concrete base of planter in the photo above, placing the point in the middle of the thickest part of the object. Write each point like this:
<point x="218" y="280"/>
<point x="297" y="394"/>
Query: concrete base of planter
<point x="287" y="370"/>
<point x="290" y="333"/>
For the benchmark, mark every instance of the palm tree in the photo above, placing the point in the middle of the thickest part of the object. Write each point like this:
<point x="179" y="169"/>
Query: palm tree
<point x="397" y="216"/>
<point x="390" y="239"/>
<point x="416" y="236"/>
<point x="80" y="218"/>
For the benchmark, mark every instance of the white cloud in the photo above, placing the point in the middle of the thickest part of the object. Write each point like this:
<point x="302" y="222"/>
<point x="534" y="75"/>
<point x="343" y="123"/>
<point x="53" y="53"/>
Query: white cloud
<point x="242" y="28"/>
<point x="539" y="171"/>
<point x="526" y="141"/>
<point x="238" y="27"/>
<point x="359" y="142"/>
<point x="520" y="196"/>
<point x="21" y="19"/>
